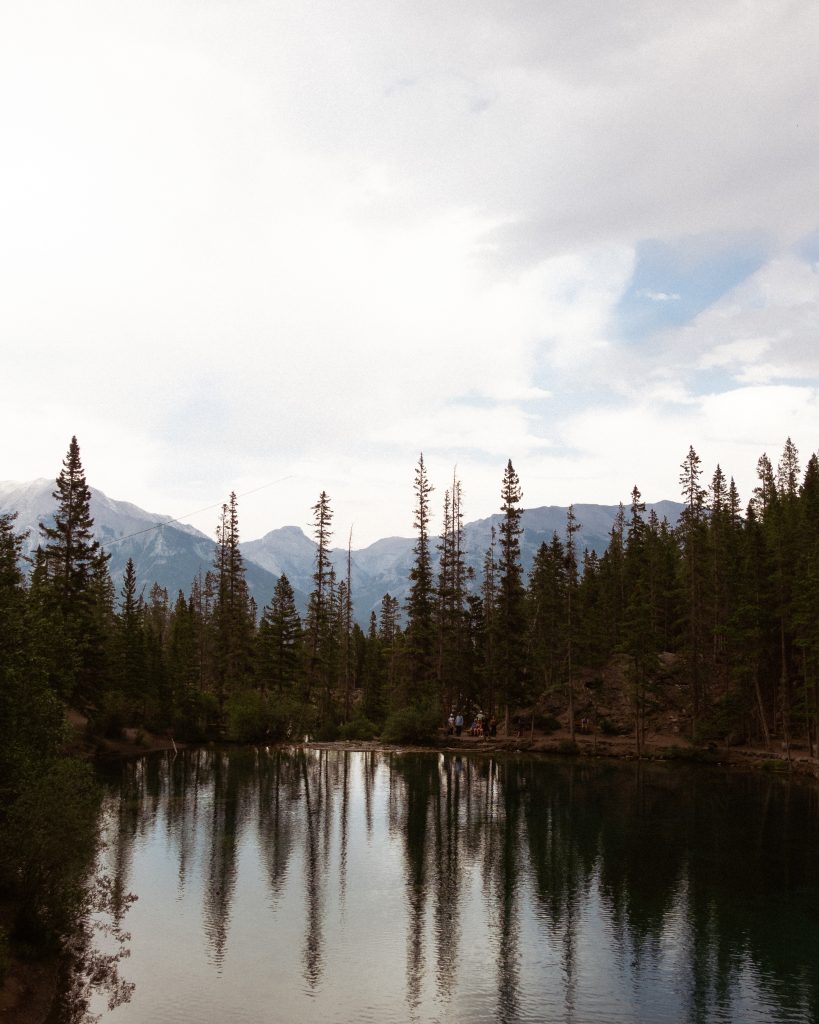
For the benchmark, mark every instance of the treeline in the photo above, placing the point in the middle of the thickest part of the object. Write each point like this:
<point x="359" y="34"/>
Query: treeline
<point x="728" y="597"/>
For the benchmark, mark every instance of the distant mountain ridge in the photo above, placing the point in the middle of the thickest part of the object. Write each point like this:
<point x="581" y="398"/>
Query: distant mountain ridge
<point x="171" y="553"/>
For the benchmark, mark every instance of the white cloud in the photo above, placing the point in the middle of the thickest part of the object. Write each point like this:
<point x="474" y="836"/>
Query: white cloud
<point x="762" y="331"/>
<point x="645" y="293"/>
<point x="306" y="241"/>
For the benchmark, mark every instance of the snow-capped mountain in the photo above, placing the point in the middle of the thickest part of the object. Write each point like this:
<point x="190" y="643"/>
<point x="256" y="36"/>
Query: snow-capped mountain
<point x="171" y="553"/>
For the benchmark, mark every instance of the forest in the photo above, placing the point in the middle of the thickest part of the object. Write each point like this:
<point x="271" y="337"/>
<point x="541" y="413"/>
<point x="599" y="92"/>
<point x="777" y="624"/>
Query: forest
<point x="728" y="597"/>
<point x="716" y="617"/>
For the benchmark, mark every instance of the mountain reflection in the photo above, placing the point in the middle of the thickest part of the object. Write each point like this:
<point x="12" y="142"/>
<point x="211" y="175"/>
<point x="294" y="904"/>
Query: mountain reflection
<point x="516" y="889"/>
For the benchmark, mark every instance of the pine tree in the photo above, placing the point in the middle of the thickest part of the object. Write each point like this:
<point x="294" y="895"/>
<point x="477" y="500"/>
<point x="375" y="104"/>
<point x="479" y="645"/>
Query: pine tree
<point x="613" y="581"/>
<point x="572" y="526"/>
<point x="73" y="570"/>
<point x="488" y="627"/>
<point x="639" y="635"/>
<point x="130" y="638"/>
<point x="420" y="603"/>
<point x="389" y="636"/>
<point x="806" y="601"/>
<point x="233" y="612"/>
<point x="450" y="592"/>
<point x="511" y="612"/>
<point x="691" y="530"/>
<point x="347" y="649"/>
<point x="374" y="674"/>
<point x="12" y="592"/>
<point x="320" y="638"/>
<point x="546" y="596"/>
<point x="279" y="641"/>
<point x="183" y="663"/>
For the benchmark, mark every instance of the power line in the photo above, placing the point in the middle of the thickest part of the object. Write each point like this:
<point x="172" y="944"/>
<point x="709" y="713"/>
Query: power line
<point x="187" y="515"/>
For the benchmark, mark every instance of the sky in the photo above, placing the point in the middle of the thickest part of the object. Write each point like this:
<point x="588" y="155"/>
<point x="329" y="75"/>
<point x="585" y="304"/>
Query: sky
<point x="278" y="248"/>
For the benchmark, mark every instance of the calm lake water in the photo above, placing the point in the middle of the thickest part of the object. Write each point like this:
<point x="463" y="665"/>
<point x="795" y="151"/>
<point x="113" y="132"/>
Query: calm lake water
<point x="351" y="887"/>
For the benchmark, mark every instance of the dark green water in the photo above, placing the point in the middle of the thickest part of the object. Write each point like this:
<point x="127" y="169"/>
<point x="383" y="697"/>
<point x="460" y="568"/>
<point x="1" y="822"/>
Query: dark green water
<point x="346" y="887"/>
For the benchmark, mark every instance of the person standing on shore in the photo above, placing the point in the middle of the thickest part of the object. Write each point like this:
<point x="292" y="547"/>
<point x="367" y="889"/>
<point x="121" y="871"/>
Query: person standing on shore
<point x="459" y="724"/>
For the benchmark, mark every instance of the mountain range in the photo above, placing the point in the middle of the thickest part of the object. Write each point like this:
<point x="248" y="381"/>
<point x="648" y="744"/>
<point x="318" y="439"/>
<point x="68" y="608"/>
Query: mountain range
<point x="171" y="553"/>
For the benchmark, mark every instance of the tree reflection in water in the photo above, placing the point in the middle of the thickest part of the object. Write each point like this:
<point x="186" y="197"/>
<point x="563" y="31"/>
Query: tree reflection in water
<point x="521" y="889"/>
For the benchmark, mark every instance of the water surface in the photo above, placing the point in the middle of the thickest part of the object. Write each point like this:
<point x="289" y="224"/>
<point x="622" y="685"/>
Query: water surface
<point x="330" y="886"/>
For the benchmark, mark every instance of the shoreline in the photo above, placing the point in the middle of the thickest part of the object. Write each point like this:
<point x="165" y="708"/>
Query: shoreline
<point x="656" y="747"/>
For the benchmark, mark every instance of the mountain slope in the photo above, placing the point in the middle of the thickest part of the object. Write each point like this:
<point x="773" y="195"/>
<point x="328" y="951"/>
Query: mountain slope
<point x="172" y="553"/>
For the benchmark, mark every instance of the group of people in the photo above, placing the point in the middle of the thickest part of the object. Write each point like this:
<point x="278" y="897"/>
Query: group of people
<point x="481" y="725"/>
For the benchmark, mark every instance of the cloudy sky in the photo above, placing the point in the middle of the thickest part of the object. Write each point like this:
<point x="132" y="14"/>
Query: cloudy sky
<point x="280" y="247"/>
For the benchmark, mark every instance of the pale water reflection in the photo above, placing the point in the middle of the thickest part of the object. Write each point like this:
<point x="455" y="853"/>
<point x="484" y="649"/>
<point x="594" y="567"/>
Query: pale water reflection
<point x="335" y="886"/>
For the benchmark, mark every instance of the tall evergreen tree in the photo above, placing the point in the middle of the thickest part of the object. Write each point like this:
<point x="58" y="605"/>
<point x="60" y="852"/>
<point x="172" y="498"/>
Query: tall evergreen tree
<point x="511" y="612"/>
<point x="279" y="641"/>
<point x="320" y="637"/>
<point x="450" y="613"/>
<point x="420" y="640"/>
<point x="489" y="625"/>
<point x="130" y="638"/>
<point x="639" y="636"/>
<point x="692" y="533"/>
<point x="389" y="637"/>
<point x="546" y="597"/>
<point x="73" y="565"/>
<point x="572" y="526"/>
<point x="233" y="612"/>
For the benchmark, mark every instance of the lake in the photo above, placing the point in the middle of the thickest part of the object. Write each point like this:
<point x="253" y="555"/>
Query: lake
<point x="337" y="886"/>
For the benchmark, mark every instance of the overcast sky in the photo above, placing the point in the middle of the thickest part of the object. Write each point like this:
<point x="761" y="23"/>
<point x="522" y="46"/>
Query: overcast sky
<point x="247" y="243"/>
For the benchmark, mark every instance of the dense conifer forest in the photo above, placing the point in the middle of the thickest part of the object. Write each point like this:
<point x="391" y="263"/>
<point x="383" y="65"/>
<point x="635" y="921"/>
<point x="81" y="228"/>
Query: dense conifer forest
<point x="717" y="616"/>
<point x="716" y="619"/>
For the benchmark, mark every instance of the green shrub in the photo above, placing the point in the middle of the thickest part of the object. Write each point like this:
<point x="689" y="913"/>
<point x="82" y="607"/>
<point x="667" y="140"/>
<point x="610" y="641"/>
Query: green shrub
<point x="111" y="717"/>
<point x="567" y="747"/>
<point x="254" y="717"/>
<point x="196" y="718"/>
<point x="358" y="728"/>
<point x="546" y="724"/>
<point x="326" y="731"/>
<point x="412" y="725"/>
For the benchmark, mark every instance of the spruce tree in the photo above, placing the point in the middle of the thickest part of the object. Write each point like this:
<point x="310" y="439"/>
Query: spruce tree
<point x="546" y="598"/>
<point x="74" y="571"/>
<point x="572" y="526"/>
<point x="321" y="640"/>
<point x="487" y="629"/>
<point x="279" y="641"/>
<point x="233" y="613"/>
<point x="420" y="603"/>
<point x="130" y="638"/>
<point x="450" y="611"/>
<point x="691" y="530"/>
<point x="511" y="617"/>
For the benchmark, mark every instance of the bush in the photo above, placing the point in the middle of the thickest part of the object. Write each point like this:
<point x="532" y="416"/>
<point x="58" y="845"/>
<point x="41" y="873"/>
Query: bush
<point x="253" y="717"/>
<point x="196" y="718"/>
<point x="327" y="731"/>
<point x="546" y="724"/>
<point x="412" y="725"/>
<point x="358" y="728"/>
<point x="111" y="717"/>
